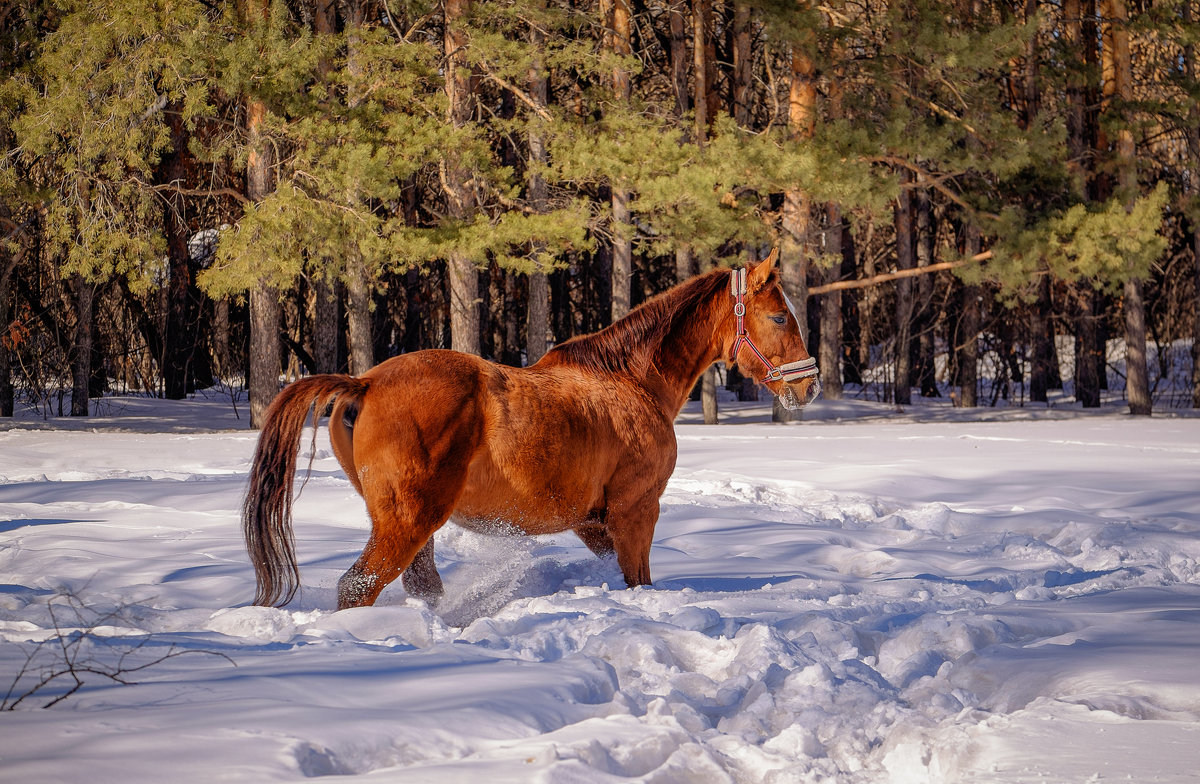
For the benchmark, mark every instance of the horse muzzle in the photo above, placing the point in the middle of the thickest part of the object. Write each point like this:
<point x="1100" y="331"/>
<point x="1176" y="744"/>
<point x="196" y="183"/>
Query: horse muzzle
<point x="798" y="394"/>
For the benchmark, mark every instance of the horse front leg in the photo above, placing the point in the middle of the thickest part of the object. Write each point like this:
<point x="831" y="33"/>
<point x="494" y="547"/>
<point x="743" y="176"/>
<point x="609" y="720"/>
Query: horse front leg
<point x="631" y="528"/>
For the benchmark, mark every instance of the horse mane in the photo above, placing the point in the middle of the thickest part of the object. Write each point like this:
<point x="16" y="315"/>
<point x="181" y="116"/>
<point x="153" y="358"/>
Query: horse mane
<point x="629" y="344"/>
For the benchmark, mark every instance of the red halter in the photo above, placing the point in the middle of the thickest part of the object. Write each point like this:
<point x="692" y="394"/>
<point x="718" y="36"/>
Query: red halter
<point x="792" y="371"/>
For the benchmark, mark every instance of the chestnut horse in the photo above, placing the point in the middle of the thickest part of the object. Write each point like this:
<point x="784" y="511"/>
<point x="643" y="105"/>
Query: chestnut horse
<point x="582" y="441"/>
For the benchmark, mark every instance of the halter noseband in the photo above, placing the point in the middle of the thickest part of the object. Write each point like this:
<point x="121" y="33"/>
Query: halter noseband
<point x="792" y="371"/>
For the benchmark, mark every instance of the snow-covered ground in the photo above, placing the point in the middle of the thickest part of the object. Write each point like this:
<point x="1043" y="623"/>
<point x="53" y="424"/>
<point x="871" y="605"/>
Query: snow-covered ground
<point x="856" y="598"/>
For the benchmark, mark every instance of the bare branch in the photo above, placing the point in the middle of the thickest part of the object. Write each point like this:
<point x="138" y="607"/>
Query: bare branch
<point x="538" y="109"/>
<point x="904" y="273"/>
<point x="925" y="180"/>
<point x="66" y="657"/>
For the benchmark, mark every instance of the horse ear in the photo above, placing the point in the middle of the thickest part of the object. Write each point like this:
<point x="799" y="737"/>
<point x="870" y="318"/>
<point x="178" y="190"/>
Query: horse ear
<point x="760" y="273"/>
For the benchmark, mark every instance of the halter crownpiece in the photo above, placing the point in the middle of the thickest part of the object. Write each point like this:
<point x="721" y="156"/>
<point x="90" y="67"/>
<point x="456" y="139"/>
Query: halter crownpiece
<point x="790" y="372"/>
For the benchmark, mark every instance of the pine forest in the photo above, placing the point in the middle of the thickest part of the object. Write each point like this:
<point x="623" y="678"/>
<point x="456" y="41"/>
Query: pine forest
<point x="979" y="200"/>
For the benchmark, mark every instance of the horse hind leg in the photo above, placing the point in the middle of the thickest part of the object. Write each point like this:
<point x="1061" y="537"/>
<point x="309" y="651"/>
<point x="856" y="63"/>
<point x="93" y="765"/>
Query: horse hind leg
<point x="595" y="536"/>
<point x="421" y="578"/>
<point x="401" y="536"/>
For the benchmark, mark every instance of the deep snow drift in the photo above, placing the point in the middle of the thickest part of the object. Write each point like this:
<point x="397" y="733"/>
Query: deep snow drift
<point x="861" y="601"/>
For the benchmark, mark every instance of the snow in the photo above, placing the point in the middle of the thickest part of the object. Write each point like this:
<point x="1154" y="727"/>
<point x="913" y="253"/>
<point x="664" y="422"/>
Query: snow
<point x="933" y="595"/>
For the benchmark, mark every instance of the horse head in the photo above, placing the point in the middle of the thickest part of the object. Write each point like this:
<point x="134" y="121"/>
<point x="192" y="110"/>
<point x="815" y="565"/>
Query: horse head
<point x="767" y="340"/>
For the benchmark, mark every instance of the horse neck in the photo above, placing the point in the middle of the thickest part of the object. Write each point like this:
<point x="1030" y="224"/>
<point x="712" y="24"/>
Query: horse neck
<point x="693" y="340"/>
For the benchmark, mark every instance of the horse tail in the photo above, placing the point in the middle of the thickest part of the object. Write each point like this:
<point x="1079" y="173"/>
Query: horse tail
<point x="267" y="509"/>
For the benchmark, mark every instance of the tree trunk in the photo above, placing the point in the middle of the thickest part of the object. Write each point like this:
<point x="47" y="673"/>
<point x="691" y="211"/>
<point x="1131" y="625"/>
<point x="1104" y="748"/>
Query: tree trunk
<point x="8" y="267"/>
<point x="1196" y="316"/>
<point x="683" y="263"/>
<point x="358" y="318"/>
<point x="461" y="270"/>
<point x="866" y="316"/>
<point x="1078" y="37"/>
<point x="679" y="71"/>
<point x="360" y="283"/>
<point x="1041" y="330"/>
<point x="830" y="352"/>
<point x="537" y="323"/>
<point x="537" y="313"/>
<point x="622" y="251"/>
<point x="326" y="323"/>
<point x="1076" y="112"/>
<point x="1189" y="56"/>
<point x="1088" y="359"/>
<point x="622" y="254"/>
<point x="81" y="345"/>
<point x="266" y="353"/>
<point x="795" y="245"/>
<point x="1118" y="86"/>
<point x="464" y="304"/>
<point x="182" y="336"/>
<point x="326" y="315"/>
<point x="905" y="259"/>
<point x="1137" y="378"/>
<point x="925" y="369"/>
<point x="967" y="339"/>
<point x="701" y="11"/>
<point x="742" y="82"/>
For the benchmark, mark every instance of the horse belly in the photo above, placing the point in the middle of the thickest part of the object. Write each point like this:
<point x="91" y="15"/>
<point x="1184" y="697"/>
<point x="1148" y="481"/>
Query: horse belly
<point x="498" y="498"/>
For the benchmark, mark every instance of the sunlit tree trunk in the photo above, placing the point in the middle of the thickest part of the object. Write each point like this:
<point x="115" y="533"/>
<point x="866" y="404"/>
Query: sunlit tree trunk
<point x="701" y="26"/>
<point x="326" y="317"/>
<point x="622" y="249"/>
<point x="795" y="244"/>
<point x="1118" y="88"/>
<point x="360" y="284"/>
<point x="461" y="271"/>
<point x="537" y="314"/>
<point x="266" y="353"/>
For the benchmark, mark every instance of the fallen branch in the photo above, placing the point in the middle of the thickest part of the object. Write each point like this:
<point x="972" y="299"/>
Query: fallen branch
<point x="904" y="273"/>
<point x="76" y="653"/>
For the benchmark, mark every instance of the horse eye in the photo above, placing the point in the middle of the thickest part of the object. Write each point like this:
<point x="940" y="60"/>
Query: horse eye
<point x="780" y="320"/>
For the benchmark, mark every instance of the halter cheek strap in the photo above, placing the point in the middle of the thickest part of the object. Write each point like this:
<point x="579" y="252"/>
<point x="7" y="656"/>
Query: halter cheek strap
<point x="792" y="371"/>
